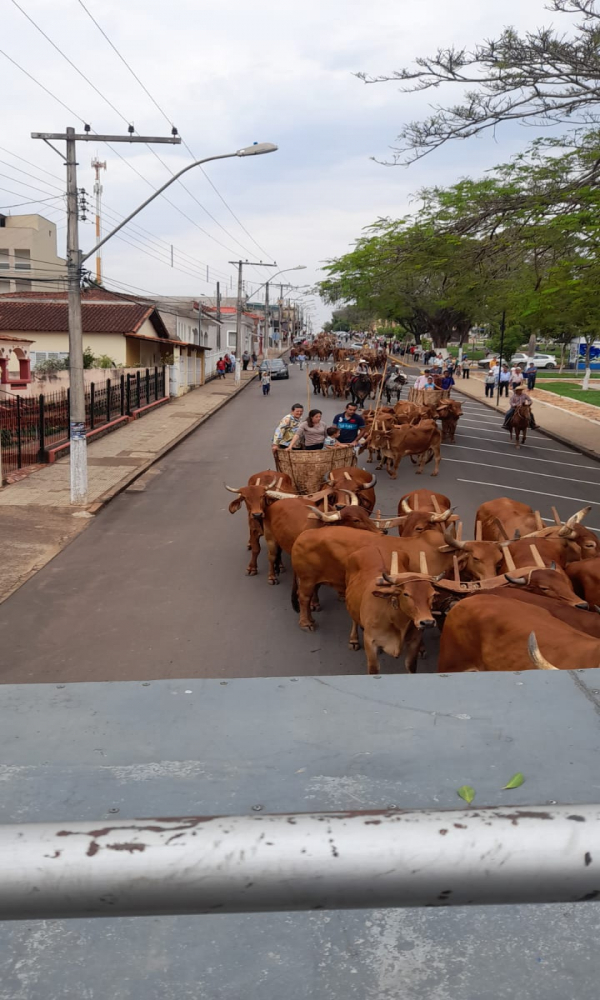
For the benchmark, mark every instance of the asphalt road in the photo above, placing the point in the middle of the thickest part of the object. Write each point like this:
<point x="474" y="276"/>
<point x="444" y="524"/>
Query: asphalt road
<point x="156" y="587"/>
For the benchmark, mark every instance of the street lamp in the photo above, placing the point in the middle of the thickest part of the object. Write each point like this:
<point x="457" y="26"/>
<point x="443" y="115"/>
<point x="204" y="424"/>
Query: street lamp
<point x="78" y="443"/>
<point x="298" y="267"/>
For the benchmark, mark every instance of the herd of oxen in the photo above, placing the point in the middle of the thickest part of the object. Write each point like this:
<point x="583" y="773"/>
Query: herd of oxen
<point x="517" y="596"/>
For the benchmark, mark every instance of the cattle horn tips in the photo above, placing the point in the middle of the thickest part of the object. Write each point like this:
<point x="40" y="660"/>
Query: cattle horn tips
<point x="406" y="506"/>
<point x="536" y="656"/>
<point x="231" y="489"/>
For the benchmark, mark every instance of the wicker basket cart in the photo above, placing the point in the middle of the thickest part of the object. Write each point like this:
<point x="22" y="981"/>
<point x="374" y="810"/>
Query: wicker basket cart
<point x="308" y="470"/>
<point x="428" y="397"/>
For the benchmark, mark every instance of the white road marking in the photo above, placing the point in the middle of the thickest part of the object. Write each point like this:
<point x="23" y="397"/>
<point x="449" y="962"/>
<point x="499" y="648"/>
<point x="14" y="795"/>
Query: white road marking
<point x="477" y="437"/>
<point x="524" y="472"/>
<point x="519" y="489"/>
<point x="529" y="458"/>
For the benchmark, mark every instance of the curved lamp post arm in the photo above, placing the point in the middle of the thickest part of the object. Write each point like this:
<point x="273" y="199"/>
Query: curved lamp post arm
<point x="262" y="147"/>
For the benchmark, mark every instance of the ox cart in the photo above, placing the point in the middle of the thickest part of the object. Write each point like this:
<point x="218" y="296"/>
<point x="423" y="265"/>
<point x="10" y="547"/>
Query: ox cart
<point x="308" y="470"/>
<point x="428" y="397"/>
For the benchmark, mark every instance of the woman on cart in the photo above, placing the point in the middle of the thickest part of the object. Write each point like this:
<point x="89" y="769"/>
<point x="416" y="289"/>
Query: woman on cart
<point x="311" y="433"/>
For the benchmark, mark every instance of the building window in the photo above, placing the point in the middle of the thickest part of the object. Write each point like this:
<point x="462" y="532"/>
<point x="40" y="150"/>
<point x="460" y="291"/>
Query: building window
<point x="4" y="262"/>
<point x="22" y="260"/>
<point x="4" y="285"/>
<point x="231" y="340"/>
<point x="23" y="285"/>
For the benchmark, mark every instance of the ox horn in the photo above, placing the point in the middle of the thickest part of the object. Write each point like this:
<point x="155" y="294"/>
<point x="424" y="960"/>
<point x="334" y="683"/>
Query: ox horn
<point x="535" y="654"/>
<point x="453" y="542"/>
<point x="520" y="581"/>
<point x="354" y="501"/>
<point x="578" y="517"/>
<point x="324" y="517"/>
<point x="231" y="489"/>
<point x="443" y="516"/>
<point x="278" y="495"/>
<point x="369" y="485"/>
<point x="406" y="507"/>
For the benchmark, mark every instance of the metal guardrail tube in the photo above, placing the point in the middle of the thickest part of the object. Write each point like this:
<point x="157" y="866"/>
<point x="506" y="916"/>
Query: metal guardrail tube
<point x="324" y="861"/>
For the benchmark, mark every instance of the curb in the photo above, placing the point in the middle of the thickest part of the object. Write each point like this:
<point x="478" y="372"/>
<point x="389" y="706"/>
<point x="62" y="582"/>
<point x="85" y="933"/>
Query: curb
<point x="105" y="498"/>
<point x="542" y="430"/>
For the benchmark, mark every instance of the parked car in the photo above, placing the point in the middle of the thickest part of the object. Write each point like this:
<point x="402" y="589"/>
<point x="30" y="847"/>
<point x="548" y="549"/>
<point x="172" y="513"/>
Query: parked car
<point x="276" y="366"/>
<point x="486" y="362"/>
<point x="539" y="360"/>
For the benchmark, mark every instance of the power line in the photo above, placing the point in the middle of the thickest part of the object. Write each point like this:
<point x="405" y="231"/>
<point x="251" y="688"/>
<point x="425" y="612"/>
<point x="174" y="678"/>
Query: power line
<point x="27" y="174"/>
<point x="25" y="184"/>
<point x="70" y="62"/>
<point x="168" y="120"/>
<point x="49" y="92"/>
<point x="124" y="119"/>
<point x="110" y="211"/>
<point x="36" y="201"/>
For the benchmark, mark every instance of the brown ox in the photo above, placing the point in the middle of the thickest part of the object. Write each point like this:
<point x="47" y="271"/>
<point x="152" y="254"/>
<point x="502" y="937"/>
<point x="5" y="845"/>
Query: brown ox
<point x="449" y="413"/>
<point x="360" y="481"/>
<point x="585" y="577"/>
<point x="424" y="509"/>
<point x="419" y="521"/>
<point x="286" y="519"/>
<point x="422" y="439"/>
<point x="391" y="609"/>
<point x="322" y="559"/>
<point x="256" y="500"/>
<point x="337" y="381"/>
<point x="500" y="518"/>
<point x="491" y="633"/>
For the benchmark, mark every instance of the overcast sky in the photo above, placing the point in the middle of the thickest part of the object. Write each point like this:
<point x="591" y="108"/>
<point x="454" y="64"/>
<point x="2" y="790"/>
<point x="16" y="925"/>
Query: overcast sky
<point x="229" y="74"/>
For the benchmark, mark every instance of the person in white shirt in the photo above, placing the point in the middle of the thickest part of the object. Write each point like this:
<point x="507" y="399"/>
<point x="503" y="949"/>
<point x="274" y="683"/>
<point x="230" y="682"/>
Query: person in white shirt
<point x="232" y="356"/>
<point x="422" y="380"/>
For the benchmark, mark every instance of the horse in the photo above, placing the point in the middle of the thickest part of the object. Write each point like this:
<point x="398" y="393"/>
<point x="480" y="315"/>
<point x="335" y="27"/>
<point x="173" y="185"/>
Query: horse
<point x="359" y="388"/>
<point x="519" y="422"/>
<point x="394" y="384"/>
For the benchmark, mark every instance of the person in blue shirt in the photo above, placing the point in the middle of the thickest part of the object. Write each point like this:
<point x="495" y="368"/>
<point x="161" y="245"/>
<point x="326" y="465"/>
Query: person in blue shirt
<point x="447" y="381"/>
<point x="351" y="425"/>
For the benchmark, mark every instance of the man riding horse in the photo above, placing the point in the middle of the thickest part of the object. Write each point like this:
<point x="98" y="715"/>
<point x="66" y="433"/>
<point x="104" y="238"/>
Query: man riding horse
<point x="394" y="380"/>
<point x="360" y="384"/>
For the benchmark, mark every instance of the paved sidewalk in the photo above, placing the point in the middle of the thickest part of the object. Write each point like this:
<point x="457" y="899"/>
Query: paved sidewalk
<point x="561" y="423"/>
<point x="36" y="516"/>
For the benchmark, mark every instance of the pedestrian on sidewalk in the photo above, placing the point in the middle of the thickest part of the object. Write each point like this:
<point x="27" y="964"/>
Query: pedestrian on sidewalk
<point x="221" y="366"/>
<point x="465" y="367"/>
<point x="490" y="383"/>
<point x="504" y="380"/>
<point x="516" y="377"/>
<point x="232" y="361"/>
<point x="531" y="375"/>
<point x="245" y="361"/>
<point x="254" y="360"/>
<point x="227" y="361"/>
<point x="287" y="427"/>
<point x="265" y="381"/>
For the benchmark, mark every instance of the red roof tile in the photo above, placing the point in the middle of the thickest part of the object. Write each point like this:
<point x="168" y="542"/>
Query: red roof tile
<point x="103" y="315"/>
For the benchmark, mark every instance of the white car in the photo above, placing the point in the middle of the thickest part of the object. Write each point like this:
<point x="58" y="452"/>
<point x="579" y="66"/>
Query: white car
<point x="539" y="360"/>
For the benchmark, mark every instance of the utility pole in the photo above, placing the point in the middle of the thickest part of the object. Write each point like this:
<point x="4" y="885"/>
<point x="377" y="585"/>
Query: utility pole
<point x="98" y="166"/>
<point x="77" y="439"/>
<point x="240" y="264"/>
<point x="218" y="304"/>
<point x="267" y="321"/>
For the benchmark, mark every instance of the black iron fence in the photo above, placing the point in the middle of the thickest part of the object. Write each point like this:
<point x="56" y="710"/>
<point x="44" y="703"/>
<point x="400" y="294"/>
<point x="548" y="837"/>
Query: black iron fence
<point x="31" y="425"/>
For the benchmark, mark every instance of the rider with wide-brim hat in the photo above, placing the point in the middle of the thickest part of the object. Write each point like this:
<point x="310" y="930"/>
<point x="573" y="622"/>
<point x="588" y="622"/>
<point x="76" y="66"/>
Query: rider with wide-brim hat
<point x="520" y="397"/>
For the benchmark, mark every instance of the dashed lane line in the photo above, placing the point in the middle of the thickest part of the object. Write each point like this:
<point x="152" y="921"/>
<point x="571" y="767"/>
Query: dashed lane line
<point x="520" y="489"/>
<point x="529" y="458"/>
<point x="523" y="472"/>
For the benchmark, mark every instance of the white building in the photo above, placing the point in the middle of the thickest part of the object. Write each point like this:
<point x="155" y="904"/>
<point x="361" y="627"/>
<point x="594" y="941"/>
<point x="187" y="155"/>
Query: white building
<point x="28" y="258"/>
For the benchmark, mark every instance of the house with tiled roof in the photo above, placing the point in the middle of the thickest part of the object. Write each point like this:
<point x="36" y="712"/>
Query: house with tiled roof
<point x="128" y="331"/>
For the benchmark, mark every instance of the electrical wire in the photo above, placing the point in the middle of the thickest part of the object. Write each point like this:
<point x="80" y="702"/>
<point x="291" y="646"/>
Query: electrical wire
<point x="27" y="174"/>
<point x="49" y="92"/>
<point x="123" y="118"/>
<point x="135" y="227"/>
<point x="36" y="201"/>
<point x="168" y="120"/>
